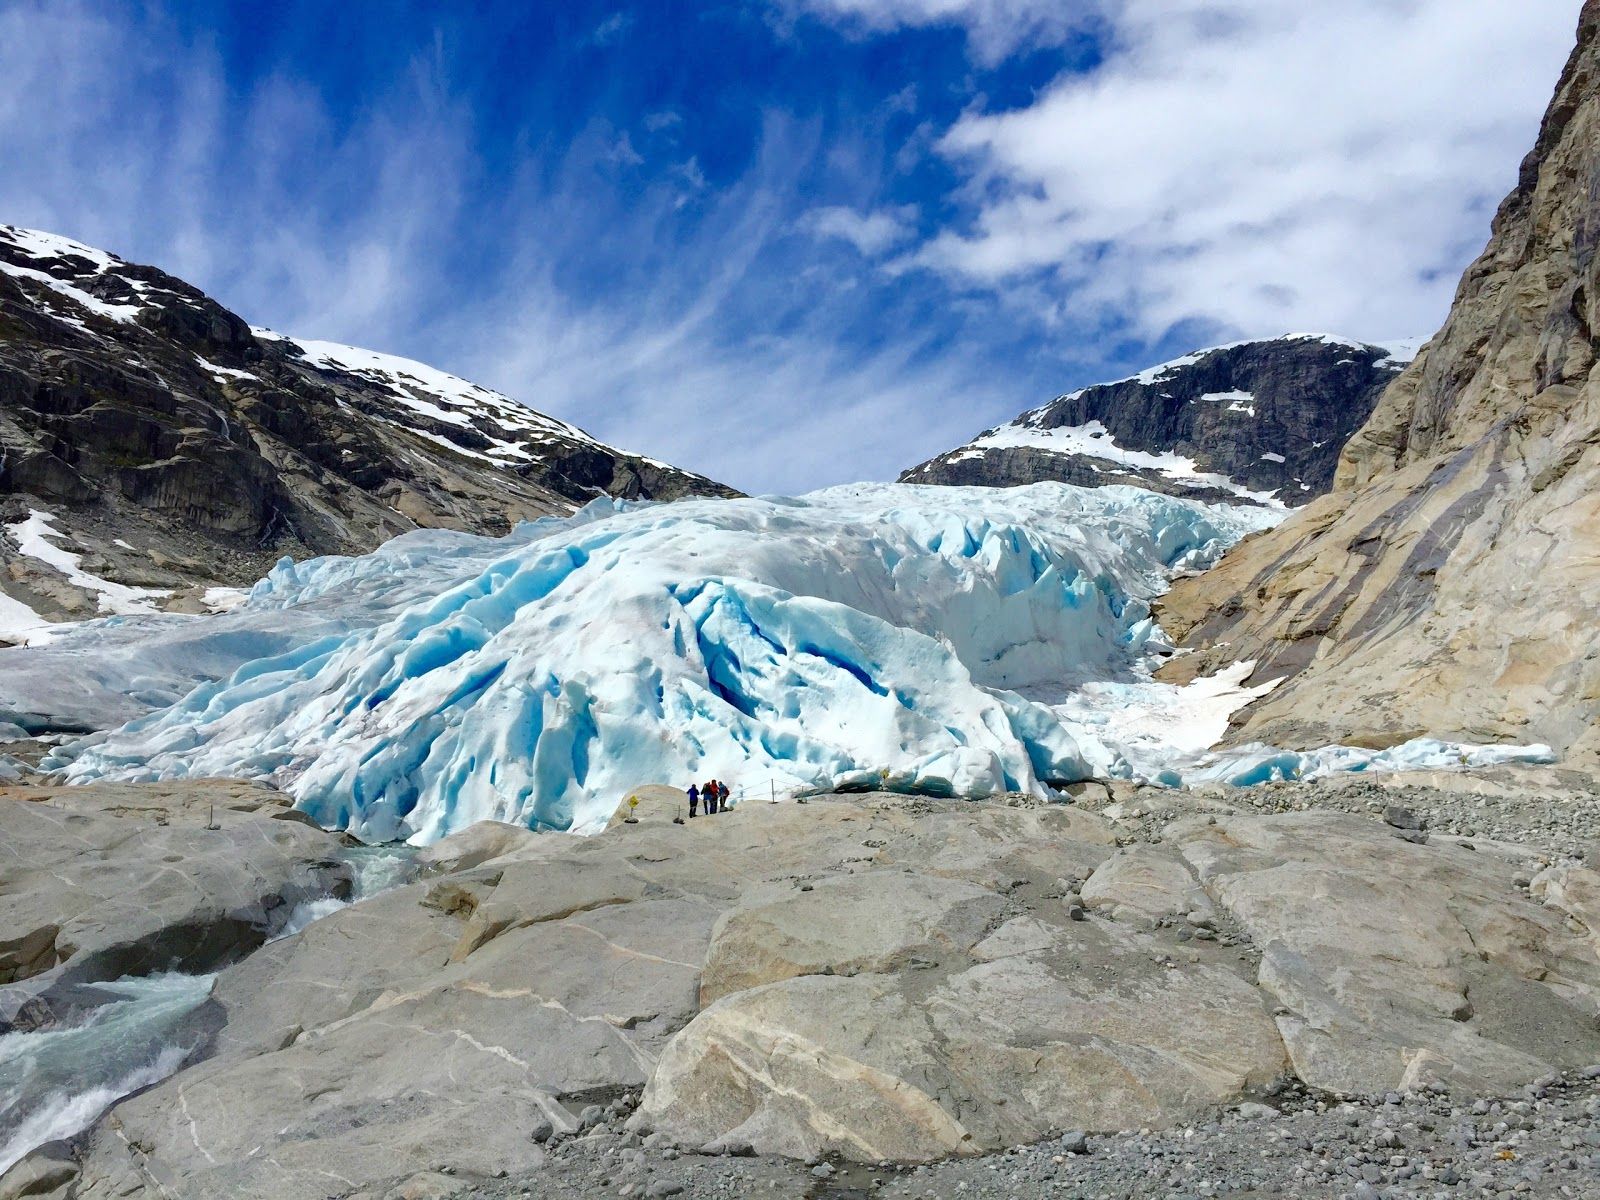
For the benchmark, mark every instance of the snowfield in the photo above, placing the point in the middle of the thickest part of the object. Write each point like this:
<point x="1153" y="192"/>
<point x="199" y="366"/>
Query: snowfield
<point x="1095" y="441"/>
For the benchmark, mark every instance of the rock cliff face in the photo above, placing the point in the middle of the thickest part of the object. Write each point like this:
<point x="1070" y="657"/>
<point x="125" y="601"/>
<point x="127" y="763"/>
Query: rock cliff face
<point x="172" y="444"/>
<point x="1452" y="581"/>
<point x="1260" y="421"/>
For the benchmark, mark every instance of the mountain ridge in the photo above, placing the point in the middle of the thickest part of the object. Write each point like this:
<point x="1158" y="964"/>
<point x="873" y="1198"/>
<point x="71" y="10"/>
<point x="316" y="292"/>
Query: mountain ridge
<point x="1259" y="421"/>
<point x="164" y="444"/>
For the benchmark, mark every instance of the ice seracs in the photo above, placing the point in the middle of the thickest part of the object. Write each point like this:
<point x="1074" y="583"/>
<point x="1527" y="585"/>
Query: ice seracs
<point x="868" y="633"/>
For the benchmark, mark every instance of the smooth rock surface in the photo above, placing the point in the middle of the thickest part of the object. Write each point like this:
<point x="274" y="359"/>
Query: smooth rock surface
<point x="1399" y="964"/>
<point x="869" y="977"/>
<point x="120" y="879"/>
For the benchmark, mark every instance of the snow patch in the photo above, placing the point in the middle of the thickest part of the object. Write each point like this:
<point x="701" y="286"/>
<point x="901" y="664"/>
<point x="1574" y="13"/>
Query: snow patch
<point x="433" y="393"/>
<point x="1401" y="351"/>
<point x="223" y="374"/>
<point x="44" y="247"/>
<point x="18" y="622"/>
<point x="224" y="599"/>
<point x="1095" y="441"/>
<point x="32" y="538"/>
<point x="515" y="432"/>
<point x="39" y="244"/>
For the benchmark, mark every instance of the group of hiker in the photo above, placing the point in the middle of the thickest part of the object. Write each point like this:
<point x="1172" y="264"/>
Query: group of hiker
<point x="713" y="792"/>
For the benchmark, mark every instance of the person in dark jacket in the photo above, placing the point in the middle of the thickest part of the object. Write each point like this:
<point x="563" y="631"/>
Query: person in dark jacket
<point x="722" y="796"/>
<point x="694" y="799"/>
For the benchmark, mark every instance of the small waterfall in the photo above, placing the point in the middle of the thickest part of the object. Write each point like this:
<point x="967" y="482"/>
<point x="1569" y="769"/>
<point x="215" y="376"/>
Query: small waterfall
<point x="377" y="869"/>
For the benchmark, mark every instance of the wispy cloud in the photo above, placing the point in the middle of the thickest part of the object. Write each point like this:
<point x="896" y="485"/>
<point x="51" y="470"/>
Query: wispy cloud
<point x="995" y="28"/>
<point x="716" y="340"/>
<point x="871" y="233"/>
<point x="623" y="153"/>
<point x="613" y="29"/>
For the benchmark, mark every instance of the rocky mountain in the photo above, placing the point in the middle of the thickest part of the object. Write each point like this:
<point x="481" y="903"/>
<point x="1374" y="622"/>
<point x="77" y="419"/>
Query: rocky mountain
<point x="153" y="444"/>
<point x="1452" y="581"/>
<point x="1261" y="422"/>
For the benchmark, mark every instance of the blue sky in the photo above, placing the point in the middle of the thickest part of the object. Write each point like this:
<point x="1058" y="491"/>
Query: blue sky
<point x="785" y="242"/>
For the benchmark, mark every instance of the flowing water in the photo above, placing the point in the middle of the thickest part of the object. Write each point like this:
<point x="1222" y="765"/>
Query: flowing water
<point x="377" y="869"/>
<point x="55" y="1083"/>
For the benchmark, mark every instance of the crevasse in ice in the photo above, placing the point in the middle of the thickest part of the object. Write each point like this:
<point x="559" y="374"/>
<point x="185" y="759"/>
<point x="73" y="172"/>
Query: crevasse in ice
<point x="859" y="633"/>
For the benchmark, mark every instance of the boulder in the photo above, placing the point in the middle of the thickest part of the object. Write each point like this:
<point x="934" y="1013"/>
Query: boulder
<point x="1575" y="892"/>
<point x="1144" y="883"/>
<point x="878" y="923"/>
<point x="476" y="845"/>
<point x="656" y="802"/>
<point x="1083" y="1031"/>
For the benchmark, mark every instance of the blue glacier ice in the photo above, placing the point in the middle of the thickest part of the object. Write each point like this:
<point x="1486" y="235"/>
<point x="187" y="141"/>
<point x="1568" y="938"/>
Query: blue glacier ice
<point x="1246" y="766"/>
<point x="863" y="633"/>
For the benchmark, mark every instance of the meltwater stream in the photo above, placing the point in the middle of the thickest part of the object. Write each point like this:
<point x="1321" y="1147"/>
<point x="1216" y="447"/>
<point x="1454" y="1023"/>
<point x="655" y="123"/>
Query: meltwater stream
<point x="377" y="869"/>
<point x="55" y="1083"/>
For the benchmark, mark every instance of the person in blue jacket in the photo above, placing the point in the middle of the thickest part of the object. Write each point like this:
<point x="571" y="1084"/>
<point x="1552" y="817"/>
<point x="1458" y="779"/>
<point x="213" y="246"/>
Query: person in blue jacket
<point x="694" y="799"/>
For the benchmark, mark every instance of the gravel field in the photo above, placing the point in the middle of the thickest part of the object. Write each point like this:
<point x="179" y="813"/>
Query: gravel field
<point x="1543" y="1142"/>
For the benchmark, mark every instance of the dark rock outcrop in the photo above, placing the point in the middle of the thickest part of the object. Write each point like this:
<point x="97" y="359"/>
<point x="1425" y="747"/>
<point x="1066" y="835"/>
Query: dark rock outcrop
<point x="1266" y="417"/>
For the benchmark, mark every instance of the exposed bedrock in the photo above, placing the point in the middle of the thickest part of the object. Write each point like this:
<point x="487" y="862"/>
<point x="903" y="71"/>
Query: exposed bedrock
<point x="872" y="977"/>
<point x="101" y="882"/>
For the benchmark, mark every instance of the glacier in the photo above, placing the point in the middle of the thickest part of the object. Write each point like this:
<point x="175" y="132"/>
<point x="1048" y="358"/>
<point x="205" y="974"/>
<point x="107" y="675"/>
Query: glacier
<point x="866" y="634"/>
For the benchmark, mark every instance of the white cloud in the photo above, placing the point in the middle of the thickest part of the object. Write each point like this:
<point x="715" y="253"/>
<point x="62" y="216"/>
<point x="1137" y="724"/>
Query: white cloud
<point x="1256" y="165"/>
<point x="613" y="29"/>
<point x="871" y="233"/>
<point x="994" y="28"/>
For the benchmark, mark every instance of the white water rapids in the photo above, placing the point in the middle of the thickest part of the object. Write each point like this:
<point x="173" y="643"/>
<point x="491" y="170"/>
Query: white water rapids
<point x="55" y="1083"/>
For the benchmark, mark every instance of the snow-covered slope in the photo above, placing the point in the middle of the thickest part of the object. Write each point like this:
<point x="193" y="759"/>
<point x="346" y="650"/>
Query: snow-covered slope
<point x="831" y="639"/>
<point x="173" y="448"/>
<point x="1259" y="422"/>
